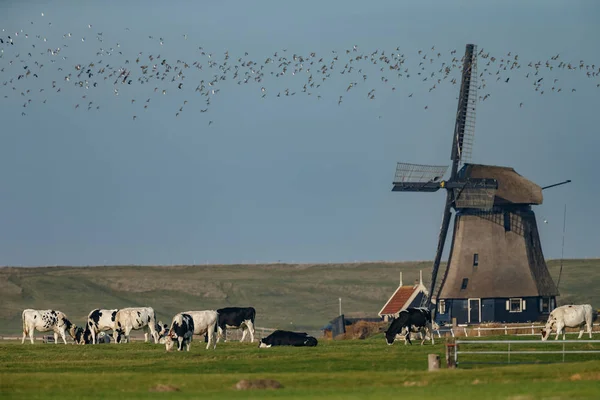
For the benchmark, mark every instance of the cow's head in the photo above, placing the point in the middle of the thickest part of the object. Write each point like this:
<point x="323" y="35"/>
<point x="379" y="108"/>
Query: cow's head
<point x="389" y="337"/>
<point x="547" y="330"/>
<point x="263" y="345"/>
<point x="82" y="336"/>
<point x="170" y="341"/>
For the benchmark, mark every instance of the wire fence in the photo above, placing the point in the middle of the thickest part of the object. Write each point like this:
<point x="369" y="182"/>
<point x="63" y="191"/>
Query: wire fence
<point x="474" y="351"/>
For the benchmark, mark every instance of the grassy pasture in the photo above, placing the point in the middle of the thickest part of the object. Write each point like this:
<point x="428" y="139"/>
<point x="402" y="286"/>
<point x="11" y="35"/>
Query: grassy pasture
<point x="286" y="296"/>
<point x="351" y="369"/>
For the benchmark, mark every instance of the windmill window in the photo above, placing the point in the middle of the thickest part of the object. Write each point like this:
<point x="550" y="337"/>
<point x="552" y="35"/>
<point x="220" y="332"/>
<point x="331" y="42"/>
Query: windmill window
<point x="545" y="304"/>
<point x="516" y="305"/>
<point x="475" y="260"/>
<point x="465" y="282"/>
<point x="442" y="307"/>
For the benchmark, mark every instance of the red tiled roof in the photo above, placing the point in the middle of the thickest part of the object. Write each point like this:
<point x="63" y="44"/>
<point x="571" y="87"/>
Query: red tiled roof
<point x="398" y="300"/>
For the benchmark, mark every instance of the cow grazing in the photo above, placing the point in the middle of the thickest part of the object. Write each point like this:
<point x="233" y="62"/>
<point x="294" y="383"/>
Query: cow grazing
<point x="571" y="316"/>
<point x="99" y="320"/>
<point x="205" y="323"/>
<point x="236" y="318"/>
<point x="287" y="338"/>
<point x="128" y="319"/>
<point x="411" y="318"/>
<point x="45" y="321"/>
<point x="181" y="331"/>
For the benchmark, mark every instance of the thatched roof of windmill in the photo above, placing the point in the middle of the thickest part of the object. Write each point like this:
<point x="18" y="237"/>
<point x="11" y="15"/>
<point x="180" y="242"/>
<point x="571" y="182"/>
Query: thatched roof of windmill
<point x="512" y="187"/>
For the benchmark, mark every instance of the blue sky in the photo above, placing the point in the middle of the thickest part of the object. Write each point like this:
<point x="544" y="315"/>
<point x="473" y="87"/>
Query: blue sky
<point x="291" y="178"/>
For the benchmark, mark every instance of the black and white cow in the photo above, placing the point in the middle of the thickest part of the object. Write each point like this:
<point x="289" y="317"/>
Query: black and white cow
<point x="412" y="318"/>
<point x="134" y="318"/>
<point x="45" y="321"/>
<point x="99" y="320"/>
<point x="236" y="318"/>
<point x="181" y="331"/>
<point x="287" y="338"/>
<point x="205" y="323"/>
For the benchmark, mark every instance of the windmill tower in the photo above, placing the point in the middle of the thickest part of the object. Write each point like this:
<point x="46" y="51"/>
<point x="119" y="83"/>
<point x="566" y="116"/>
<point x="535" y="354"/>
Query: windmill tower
<point x="496" y="269"/>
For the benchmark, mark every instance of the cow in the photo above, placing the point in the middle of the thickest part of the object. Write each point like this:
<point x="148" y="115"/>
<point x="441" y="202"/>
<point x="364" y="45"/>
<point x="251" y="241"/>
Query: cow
<point x="287" y="338"/>
<point x="412" y="332"/>
<point x="181" y="331"/>
<point x="417" y="317"/>
<point x="570" y="316"/>
<point x="128" y="319"/>
<point x="99" y="320"/>
<point x="205" y="323"/>
<point x="45" y="321"/>
<point x="236" y="318"/>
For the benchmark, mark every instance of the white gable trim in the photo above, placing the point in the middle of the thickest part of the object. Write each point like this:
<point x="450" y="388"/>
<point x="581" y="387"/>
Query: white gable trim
<point x="416" y="290"/>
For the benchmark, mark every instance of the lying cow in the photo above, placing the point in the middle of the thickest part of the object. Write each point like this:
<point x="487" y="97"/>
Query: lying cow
<point x="287" y="338"/>
<point x="410" y="319"/>
<point x="45" y="321"/>
<point x="236" y="318"/>
<point x="128" y="319"/>
<point x="571" y="316"/>
<point x="99" y="320"/>
<point x="181" y="331"/>
<point x="205" y="323"/>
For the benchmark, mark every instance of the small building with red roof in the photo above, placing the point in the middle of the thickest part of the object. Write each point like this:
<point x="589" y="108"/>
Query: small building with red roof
<point x="404" y="297"/>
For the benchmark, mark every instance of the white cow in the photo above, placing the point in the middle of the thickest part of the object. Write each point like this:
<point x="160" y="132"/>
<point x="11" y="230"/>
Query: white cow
<point x="571" y="316"/>
<point x="45" y="321"/>
<point x="134" y="318"/>
<point x="205" y="322"/>
<point x="100" y="320"/>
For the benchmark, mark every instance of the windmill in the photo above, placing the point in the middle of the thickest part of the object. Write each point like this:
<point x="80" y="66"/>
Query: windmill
<point x="496" y="270"/>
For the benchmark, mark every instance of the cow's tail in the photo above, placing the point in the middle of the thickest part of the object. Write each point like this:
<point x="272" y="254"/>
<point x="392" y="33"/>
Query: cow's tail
<point x="253" y="315"/>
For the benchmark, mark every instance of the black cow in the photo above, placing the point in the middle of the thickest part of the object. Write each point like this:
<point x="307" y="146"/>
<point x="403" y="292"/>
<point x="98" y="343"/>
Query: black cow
<point x="287" y="338"/>
<point x="419" y="318"/>
<point x="236" y="318"/>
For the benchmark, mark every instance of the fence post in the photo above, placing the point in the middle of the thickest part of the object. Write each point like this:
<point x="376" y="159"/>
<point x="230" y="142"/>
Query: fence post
<point x="509" y="352"/>
<point x="433" y="362"/>
<point x="466" y="333"/>
<point x="451" y="355"/>
<point x="505" y="330"/>
<point x="563" y="351"/>
<point x="478" y="331"/>
<point x="452" y="332"/>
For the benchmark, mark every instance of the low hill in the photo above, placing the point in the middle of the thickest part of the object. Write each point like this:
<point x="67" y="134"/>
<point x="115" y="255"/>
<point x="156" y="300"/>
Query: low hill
<point x="298" y="297"/>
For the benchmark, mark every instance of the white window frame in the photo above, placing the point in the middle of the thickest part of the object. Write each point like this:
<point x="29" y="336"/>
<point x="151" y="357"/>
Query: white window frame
<point x="442" y="306"/>
<point x="510" y="301"/>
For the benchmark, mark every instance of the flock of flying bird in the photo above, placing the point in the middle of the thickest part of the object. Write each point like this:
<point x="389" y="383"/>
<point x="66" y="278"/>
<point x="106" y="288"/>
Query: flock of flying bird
<point x="31" y="63"/>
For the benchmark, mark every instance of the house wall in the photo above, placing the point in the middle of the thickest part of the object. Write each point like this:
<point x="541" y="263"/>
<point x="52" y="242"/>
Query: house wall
<point x="494" y="310"/>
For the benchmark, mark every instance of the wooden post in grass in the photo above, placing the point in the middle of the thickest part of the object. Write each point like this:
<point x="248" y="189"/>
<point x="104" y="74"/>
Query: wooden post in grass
<point x="433" y="361"/>
<point x="450" y="362"/>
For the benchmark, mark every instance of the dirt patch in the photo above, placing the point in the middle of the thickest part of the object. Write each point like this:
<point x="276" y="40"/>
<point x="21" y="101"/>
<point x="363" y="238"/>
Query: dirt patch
<point x="246" y="384"/>
<point x="589" y="376"/>
<point x="412" y="383"/>
<point x="520" y="397"/>
<point x="362" y="330"/>
<point x="164" y="388"/>
<point x="476" y="382"/>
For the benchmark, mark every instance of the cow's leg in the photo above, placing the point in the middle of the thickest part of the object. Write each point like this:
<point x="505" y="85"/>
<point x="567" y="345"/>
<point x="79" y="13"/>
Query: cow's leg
<point x="94" y="336"/>
<point x="188" y="344"/>
<point x="31" y="332"/>
<point x="24" y="335"/>
<point x="250" y="328"/>
<point x="580" y="332"/>
<point x="153" y="332"/>
<point x="63" y="336"/>
<point x="180" y="343"/>
<point x="55" y="338"/>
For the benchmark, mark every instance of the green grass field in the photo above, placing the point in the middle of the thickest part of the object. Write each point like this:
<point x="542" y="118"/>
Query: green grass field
<point x="296" y="297"/>
<point x="354" y="369"/>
